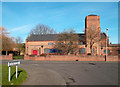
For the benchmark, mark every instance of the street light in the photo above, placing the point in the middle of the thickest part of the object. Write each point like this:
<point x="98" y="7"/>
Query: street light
<point x="42" y="48"/>
<point x="106" y="42"/>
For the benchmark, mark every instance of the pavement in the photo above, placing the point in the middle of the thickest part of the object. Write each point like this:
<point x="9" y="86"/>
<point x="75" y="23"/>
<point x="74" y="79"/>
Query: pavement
<point x="70" y="72"/>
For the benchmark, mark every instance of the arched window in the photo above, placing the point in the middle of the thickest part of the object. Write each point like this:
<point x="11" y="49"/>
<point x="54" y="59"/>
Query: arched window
<point x="27" y="49"/>
<point x="46" y="50"/>
<point x="101" y="46"/>
<point x="72" y="51"/>
<point x="39" y="50"/>
<point x="59" y="51"/>
<point x="80" y="43"/>
<point x="81" y="50"/>
<point x="50" y="43"/>
<point x="118" y="51"/>
<point x="93" y="51"/>
<point x="108" y="51"/>
<point x="52" y="51"/>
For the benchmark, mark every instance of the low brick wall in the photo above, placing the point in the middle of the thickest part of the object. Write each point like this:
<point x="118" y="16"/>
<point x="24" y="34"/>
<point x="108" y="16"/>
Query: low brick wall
<point x="70" y="58"/>
<point x="98" y="58"/>
<point x="7" y="57"/>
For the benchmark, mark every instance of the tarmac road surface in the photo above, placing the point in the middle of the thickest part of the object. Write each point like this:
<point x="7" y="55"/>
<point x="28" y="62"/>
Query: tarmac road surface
<point x="70" y="72"/>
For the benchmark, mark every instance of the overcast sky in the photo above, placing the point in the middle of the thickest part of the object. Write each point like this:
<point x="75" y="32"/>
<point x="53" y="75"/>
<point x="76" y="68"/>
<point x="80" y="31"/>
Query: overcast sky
<point x="20" y="17"/>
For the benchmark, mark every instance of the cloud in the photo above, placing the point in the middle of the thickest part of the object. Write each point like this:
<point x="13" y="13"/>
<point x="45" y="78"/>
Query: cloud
<point x="20" y="28"/>
<point x="24" y="29"/>
<point x="21" y="31"/>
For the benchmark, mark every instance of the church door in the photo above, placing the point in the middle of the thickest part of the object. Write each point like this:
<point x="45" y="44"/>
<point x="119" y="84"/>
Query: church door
<point x="34" y="52"/>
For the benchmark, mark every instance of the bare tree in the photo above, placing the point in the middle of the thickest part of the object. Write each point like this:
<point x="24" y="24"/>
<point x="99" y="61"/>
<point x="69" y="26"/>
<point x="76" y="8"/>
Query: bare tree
<point x="19" y="44"/>
<point x="92" y="37"/>
<point x="42" y="29"/>
<point x="19" y="40"/>
<point x="7" y="42"/>
<point x="67" y="41"/>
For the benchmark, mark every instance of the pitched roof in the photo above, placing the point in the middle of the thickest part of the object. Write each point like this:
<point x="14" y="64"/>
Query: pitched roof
<point x="103" y="35"/>
<point x="114" y="45"/>
<point x="53" y="37"/>
<point x="43" y="37"/>
<point x="92" y="15"/>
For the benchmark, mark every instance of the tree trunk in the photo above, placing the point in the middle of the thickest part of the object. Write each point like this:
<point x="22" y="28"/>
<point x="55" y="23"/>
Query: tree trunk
<point x="19" y="52"/>
<point x="68" y="53"/>
<point x="0" y="52"/>
<point x="6" y="53"/>
<point x="91" y="51"/>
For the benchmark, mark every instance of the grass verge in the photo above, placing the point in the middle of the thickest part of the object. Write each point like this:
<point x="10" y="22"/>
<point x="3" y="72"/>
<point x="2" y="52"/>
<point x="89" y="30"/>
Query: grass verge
<point x="22" y="75"/>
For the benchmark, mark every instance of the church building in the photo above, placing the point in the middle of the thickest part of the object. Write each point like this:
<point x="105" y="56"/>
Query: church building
<point x="40" y="44"/>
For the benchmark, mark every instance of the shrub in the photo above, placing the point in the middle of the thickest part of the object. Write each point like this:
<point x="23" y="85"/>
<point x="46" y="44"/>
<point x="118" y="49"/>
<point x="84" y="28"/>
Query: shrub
<point x="43" y="54"/>
<point x="89" y="54"/>
<point x="32" y="55"/>
<point x="54" y="54"/>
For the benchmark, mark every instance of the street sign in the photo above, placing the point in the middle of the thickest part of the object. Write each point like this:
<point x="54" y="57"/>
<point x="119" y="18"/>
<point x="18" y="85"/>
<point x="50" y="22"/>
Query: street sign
<point x="14" y="63"/>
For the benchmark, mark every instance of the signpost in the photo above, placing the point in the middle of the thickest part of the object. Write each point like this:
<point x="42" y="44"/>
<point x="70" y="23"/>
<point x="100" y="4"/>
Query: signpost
<point x="14" y="63"/>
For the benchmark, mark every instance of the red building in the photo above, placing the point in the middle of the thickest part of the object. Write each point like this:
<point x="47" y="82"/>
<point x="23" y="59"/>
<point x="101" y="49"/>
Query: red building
<point x="39" y="44"/>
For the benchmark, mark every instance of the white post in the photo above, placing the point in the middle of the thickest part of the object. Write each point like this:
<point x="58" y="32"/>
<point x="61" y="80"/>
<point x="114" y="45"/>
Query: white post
<point x="16" y="71"/>
<point x="9" y="75"/>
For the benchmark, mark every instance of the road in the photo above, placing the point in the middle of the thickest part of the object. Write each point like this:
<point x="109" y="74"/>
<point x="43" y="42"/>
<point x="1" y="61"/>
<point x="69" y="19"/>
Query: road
<point x="74" y="72"/>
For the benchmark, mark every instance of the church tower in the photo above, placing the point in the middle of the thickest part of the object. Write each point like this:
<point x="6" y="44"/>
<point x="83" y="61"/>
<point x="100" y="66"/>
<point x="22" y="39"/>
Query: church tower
<point x="93" y="34"/>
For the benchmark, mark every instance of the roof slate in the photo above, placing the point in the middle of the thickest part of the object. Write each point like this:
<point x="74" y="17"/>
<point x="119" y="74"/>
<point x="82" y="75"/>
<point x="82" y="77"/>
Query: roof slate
<point x="114" y="45"/>
<point x="53" y="37"/>
<point x="92" y="15"/>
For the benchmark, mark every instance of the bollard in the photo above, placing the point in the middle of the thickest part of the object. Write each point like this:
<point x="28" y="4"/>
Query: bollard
<point x="9" y="74"/>
<point x="16" y="71"/>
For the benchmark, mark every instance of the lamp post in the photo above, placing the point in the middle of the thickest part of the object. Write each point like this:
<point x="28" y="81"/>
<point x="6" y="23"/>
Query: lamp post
<point x="42" y="48"/>
<point x="106" y="42"/>
<point x="86" y="48"/>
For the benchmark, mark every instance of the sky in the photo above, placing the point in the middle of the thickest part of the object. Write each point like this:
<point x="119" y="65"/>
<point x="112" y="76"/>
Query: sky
<point x="20" y="17"/>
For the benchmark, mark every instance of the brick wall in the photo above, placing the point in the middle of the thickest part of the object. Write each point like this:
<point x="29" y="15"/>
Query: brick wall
<point x="113" y="51"/>
<point x="70" y="58"/>
<point x="36" y="45"/>
<point x="8" y="57"/>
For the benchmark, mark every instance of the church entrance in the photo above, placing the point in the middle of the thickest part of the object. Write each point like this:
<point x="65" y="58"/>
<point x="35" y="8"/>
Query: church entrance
<point x="34" y="52"/>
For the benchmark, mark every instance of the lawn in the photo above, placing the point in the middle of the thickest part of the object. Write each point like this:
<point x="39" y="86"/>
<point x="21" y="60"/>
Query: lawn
<point x="22" y="75"/>
<point x="18" y="57"/>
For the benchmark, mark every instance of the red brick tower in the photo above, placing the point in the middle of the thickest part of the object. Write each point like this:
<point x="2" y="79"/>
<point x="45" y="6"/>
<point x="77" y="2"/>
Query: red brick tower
<point x="92" y="25"/>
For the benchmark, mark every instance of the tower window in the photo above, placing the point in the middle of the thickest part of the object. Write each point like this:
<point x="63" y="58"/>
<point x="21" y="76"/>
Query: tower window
<point x="93" y="51"/>
<point x="80" y="43"/>
<point x="50" y="43"/>
<point x="81" y="50"/>
<point x="72" y="51"/>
